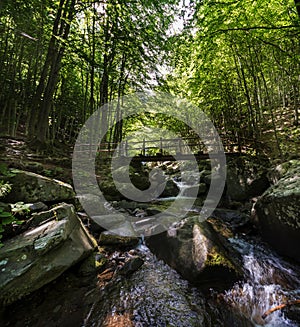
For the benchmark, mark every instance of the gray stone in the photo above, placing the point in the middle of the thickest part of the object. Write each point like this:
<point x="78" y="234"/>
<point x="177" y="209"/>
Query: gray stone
<point x="38" y="256"/>
<point x="198" y="253"/>
<point x="171" y="189"/>
<point x="108" y="238"/>
<point x="131" y="265"/>
<point x="277" y="213"/>
<point x="198" y="189"/>
<point x="274" y="174"/>
<point x="30" y="187"/>
<point x="246" y="178"/>
<point x="37" y="207"/>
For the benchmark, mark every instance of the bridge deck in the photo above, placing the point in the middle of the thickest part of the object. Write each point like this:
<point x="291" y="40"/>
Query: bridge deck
<point x="165" y="149"/>
<point x="179" y="157"/>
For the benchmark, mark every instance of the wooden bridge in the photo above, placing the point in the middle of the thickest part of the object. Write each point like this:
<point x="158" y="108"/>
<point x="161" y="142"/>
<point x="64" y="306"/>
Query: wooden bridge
<point x="166" y="149"/>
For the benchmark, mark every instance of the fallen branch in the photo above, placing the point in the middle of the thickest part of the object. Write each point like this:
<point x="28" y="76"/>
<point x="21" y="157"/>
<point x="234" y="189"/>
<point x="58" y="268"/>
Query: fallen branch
<point x="279" y="307"/>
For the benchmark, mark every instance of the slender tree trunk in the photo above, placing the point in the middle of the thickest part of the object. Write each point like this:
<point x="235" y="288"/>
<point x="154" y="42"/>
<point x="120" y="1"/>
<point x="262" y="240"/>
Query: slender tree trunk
<point x="39" y="116"/>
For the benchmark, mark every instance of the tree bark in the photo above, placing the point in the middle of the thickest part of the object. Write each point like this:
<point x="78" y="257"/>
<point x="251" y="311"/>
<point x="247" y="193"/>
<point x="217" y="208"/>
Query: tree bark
<point x="38" y="122"/>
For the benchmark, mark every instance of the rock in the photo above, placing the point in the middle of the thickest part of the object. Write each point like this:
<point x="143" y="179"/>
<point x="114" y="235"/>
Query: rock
<point x="40" y="218"/>
<point x="280" y="170"/>
<point x="30" y="187"/>
<point x="107" y="238"/>
<point x="235" y="220"/>
<point x="246" y="177"/>
<point x="198" y="253"/>
<point x="90" y="265"/>
<point x="191" y="190"/>
<point x="38" y="256"/>
<point x="132" y="205"/>
<point x="131" y="265"/>
<point x="37" y="207"/>
<point x="93" y="205"/>
<point x="277" y="212"/>
<point x="171" y="189"/>
<point x="119" y="224"/>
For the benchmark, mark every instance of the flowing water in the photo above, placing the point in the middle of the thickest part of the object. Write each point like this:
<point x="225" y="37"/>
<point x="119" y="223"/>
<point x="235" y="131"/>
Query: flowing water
<point x="156" y="295"/>
<point x="269" y="282"/>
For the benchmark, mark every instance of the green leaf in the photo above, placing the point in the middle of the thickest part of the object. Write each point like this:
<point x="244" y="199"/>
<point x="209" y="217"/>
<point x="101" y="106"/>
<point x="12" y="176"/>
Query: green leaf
<point x="7" y="220"/>
<point x="5" y="214"/>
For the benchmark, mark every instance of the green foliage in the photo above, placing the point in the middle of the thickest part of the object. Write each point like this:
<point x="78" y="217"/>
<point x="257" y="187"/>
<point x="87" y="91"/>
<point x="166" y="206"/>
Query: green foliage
<point x="239" y="62"/>
<point x="4" y="171"/>
<point x="20" y="208"/>
<point x="5" y="188"/>
<point x="8" y="217"/>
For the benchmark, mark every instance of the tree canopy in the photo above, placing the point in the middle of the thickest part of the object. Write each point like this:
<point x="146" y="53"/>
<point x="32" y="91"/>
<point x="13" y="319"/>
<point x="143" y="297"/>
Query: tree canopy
<point x="238" y="61"/>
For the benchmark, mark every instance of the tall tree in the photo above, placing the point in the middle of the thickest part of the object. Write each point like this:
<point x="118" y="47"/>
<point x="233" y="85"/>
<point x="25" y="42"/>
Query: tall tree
<point x="38" y="122"/>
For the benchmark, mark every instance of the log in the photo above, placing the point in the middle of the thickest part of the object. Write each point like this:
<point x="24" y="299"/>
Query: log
<point x="279" y="307"/>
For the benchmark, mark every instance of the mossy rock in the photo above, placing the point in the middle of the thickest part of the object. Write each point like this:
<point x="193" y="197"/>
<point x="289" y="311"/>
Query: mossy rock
<point x="198" y="253"/>
<point x="30" y="187"/>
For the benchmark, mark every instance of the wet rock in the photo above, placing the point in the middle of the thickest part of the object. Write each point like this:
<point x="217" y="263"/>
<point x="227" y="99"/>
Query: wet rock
<point x="198" y="253"/>
<point x="93" y="205"/>
<point x="131" y="265"/>
<point x="116" y="188"/>
<point x="171" y="189"/>
<point x="30" y="187"/>
<point x="108" y="238"/>
<point x="236" y="220"/>
<point x="277" y="212"/>
<point x="119" y="224"/>
<point x="40" y="255"/>
<point x="246" y="178"/>
<point x="198" y="189"/>
<point x="37" y="207"/>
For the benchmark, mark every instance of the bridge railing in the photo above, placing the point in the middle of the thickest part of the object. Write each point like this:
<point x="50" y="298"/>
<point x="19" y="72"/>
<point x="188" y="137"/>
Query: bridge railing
<point x="162" y="146"/>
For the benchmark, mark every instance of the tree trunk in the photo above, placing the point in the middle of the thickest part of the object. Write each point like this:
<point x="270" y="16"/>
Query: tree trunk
<point x="38" y="121"/>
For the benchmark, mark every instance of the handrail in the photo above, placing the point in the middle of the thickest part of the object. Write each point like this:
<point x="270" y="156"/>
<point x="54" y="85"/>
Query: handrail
<point x="165" y="146"/>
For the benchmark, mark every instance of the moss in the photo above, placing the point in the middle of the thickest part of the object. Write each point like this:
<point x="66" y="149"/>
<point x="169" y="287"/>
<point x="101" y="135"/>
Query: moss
<point x="215" y="258"/>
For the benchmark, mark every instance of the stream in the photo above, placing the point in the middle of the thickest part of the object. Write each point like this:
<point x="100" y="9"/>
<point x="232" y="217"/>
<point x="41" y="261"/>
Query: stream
<point x="156" y="295"/>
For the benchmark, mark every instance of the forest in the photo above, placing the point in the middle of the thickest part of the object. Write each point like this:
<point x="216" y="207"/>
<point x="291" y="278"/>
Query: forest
<point x="237" y="61"/>
<point x="149" y="163"/>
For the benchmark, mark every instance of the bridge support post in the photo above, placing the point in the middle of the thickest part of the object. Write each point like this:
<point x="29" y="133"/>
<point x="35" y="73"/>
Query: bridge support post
<point x="144" y="148"/>
<point x="161" y="146"/>
<point x="180" y="146"/>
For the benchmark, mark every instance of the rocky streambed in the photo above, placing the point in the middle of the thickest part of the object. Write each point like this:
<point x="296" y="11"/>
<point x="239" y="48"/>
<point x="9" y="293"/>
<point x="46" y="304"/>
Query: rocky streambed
<point x="59" y="268"/>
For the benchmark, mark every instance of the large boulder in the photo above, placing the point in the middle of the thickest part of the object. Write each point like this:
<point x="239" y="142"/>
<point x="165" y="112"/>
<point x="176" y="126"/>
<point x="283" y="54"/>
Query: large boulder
<point x="246" y="178"/>
<point x="171" y="189"/>
<point x="30" y="187"/>
<point x="38" y="256"/>
<point x="277" y="212"/>
<point x="198" y="253"/>
<point x="274" y="174"/>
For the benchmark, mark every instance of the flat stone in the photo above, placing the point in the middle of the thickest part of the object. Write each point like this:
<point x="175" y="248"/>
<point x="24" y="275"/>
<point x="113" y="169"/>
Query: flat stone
<point x="108" y="238"/>
<point x="29" y="187"/>
<point x="38" y="256"/>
